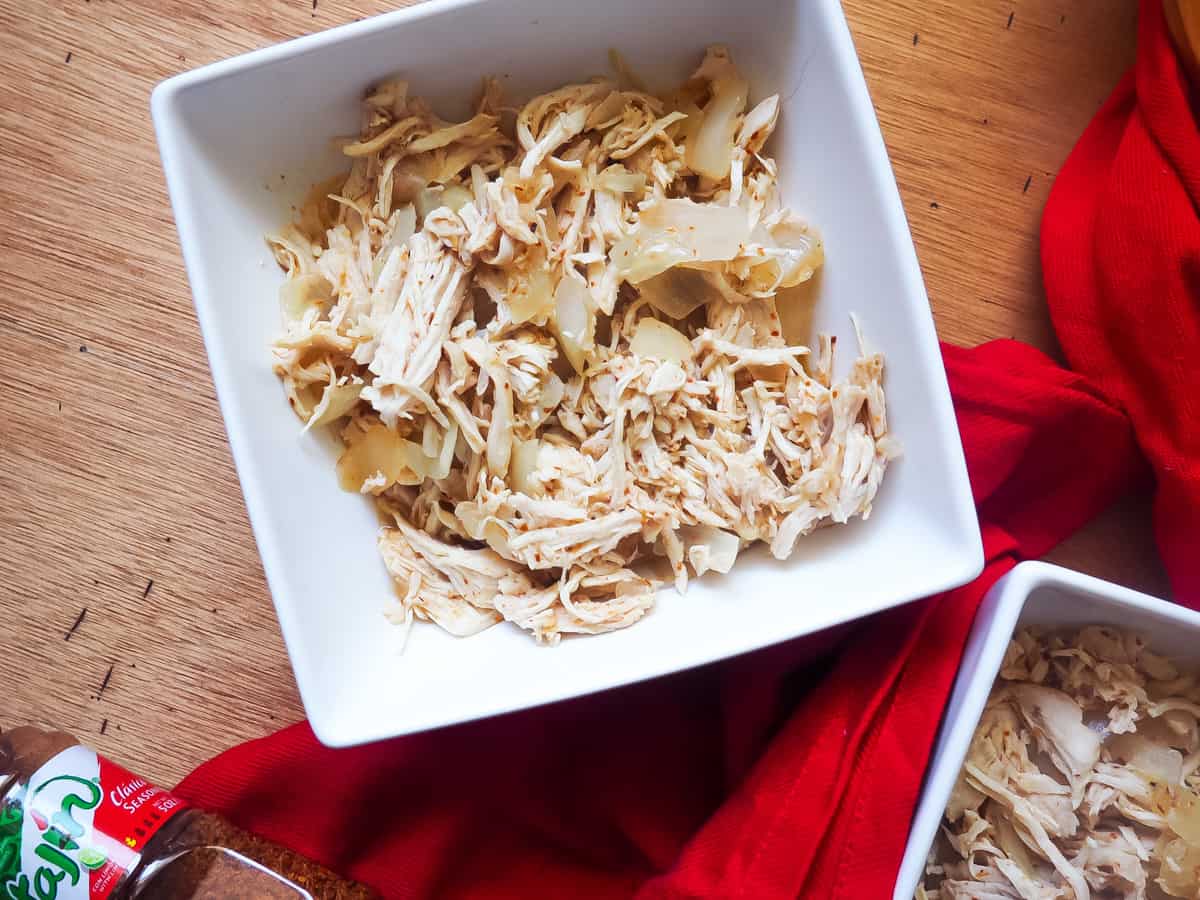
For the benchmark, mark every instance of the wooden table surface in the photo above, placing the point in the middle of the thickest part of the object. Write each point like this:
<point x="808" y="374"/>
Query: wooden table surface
<point x="133" y="609"/>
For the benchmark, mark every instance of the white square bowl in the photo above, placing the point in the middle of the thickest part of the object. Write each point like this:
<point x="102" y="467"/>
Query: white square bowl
<point x="243" y="139"/>
<point x="1033" y="593"/>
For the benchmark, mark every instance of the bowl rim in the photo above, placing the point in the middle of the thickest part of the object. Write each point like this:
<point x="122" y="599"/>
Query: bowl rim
<point x="164" y="94"/>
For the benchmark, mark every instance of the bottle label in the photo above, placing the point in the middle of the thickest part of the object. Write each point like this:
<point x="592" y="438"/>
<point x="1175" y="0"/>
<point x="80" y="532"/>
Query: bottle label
<point x="78" y="828"/>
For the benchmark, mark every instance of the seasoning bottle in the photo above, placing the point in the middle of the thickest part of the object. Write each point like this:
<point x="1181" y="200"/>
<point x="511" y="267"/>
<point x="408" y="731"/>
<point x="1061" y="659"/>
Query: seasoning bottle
<point x="74" y="826"/>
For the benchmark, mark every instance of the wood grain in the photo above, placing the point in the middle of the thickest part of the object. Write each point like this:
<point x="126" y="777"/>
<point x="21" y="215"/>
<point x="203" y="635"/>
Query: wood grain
<point x="117" y="494"/>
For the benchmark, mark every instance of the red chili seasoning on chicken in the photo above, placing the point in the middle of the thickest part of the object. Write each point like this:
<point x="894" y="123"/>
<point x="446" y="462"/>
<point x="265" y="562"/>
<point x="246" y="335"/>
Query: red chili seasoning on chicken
<point x="74" y="826"/>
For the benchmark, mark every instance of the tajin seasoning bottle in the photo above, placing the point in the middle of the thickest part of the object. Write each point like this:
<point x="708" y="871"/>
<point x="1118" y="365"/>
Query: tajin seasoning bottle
<point x="74" y="826"/>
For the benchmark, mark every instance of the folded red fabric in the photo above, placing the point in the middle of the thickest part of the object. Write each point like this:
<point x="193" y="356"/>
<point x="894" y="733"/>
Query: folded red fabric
<point x="767" y="776"/>
<point x="774" y="775"/>
<point x="1121" y="257"/>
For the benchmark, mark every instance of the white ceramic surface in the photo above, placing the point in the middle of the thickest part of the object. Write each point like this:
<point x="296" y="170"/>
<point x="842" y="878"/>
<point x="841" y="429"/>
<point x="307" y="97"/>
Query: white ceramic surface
<point x="243" y="139"/>
<point x="1033" y="593"/>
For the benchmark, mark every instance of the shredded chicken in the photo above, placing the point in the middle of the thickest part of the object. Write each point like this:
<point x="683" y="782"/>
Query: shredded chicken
<point x="549" y="338"/>
<point x="1082" y="779"/>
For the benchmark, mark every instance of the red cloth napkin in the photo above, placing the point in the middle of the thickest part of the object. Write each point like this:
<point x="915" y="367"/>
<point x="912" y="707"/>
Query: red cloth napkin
<point x="1121" y="257"/>
<point x="772" y="776"/>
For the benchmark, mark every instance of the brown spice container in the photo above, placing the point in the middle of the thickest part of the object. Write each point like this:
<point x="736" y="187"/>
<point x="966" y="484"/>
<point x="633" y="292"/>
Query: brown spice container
<point x="193" y="854"/>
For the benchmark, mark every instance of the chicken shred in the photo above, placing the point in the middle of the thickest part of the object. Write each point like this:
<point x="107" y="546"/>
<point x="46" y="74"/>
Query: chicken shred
<point x="551" y="344"/>
<point x="1082" y="779"/>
